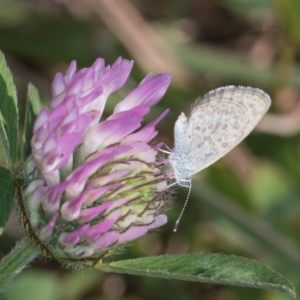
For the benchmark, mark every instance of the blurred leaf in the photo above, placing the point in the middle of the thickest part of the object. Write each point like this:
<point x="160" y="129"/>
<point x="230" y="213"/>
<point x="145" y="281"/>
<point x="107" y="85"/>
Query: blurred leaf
<point x="14" y="12"/>
<point x="48" y="39"/>
<point x="268" y="186"/>
<point x="8" y="113"/>
<point x="79" y="283"/>
<point x="290" y="11"/>
<point x="7" y="192"/>
<point x="245" y="6"/>
<point x="34" y="285"/>
<point x="211" y="268"/>
<point x="33" y="106"/>
<point x="223" y="179"/>
<point x="230" y="68"/>
<point x="168" y="289"/>
<point x="277" y="243"/>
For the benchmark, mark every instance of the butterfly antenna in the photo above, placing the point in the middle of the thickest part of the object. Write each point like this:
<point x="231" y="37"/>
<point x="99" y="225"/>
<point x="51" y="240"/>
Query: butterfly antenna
<point x="184" y="206"/>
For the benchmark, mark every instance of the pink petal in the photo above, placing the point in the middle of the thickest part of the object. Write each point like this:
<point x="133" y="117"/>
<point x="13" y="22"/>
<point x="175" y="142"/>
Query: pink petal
<point x="144" y="135"/>
<point x="77" y="179"/>
<point x="98" y="68"/>
<point x="117" y="203"/>
<point x="111" y="131"/>
<point x="143" y="152"/>
<point x="58" y="85"/>
<point x="75" y="87"/>
<point x="93" y="95"/>
<point x="47" y="230"/>
<point x="105" y="179"/>
<point x="140" y="110"/>
<point x="146" y="78"/>
<point x="116" y="76"/>
<point x="132" y="233"/>
<point x="39" y="138"/>
<point x="41" y="119"/>
<point x="33" y="186"/>
<point x="160" y="220"/>
<point x="105" y="240"/>
<point x="114" y="216"/>
<point x="148" y="93"/>
<point x="95" y="194"/>
<point x="158" y="119"/>
<point x="57" y="152"/>
<point x="69" y="239"/>
<point x="70" y="71"/>
<point x="95" y="231"/>
<point x="88" y="79"/>
<point x="52" y="197"/>
<point x="88" y="214"/>
<point x="71" y="209"/>
<point x="58" y="115"/>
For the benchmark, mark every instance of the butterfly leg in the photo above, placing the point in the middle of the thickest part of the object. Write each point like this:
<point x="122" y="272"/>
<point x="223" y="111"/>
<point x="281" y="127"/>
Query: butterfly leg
<point x="164" y="151"/>
<point x="172" y="184"/>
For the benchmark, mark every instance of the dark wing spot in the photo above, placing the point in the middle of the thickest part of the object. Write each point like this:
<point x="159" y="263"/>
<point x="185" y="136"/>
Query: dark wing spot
<point x="218" y="125"/>
<point x="236" y="125"/>
<point x="208" y="155"/>
<point x="224" y="145"/>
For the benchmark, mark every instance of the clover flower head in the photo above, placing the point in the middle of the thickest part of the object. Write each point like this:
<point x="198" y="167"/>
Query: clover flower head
<point x="94" y="184"/>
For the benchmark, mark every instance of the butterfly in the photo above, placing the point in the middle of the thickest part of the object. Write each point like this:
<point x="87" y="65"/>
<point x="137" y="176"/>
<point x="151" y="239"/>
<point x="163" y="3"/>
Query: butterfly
<point x="217" y="123"/>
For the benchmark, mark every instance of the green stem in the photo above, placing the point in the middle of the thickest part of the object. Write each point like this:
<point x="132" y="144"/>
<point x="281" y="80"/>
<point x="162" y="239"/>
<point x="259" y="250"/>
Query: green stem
<point x="13" y="263"/>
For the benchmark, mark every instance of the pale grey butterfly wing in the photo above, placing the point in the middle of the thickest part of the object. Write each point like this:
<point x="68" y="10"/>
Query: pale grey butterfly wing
<point x="218" y="122"/>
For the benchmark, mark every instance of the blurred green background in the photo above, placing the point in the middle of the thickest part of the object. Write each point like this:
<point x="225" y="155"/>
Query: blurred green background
<point x="246" y="204"/>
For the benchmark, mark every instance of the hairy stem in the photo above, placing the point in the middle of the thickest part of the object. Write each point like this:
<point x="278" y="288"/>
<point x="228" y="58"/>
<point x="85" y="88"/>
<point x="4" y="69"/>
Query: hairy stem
<point x="13" y="263"/>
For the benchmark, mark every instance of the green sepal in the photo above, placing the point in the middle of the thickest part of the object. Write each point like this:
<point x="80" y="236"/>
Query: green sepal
<point x="8" y="113"/>
<point x="33" y="106"/>
<point x="7" y="193"/>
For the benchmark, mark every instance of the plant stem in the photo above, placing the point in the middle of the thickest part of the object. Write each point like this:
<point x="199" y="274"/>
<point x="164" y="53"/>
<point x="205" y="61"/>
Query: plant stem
<point x="13" y="263"/>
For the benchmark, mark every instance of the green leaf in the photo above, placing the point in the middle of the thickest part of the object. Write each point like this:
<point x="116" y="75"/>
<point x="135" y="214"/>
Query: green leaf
<point x="8" y="113"/>
<point x="7" y="193"/>
<point x="211" y="268"/>
<point x="33" y="106"/>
